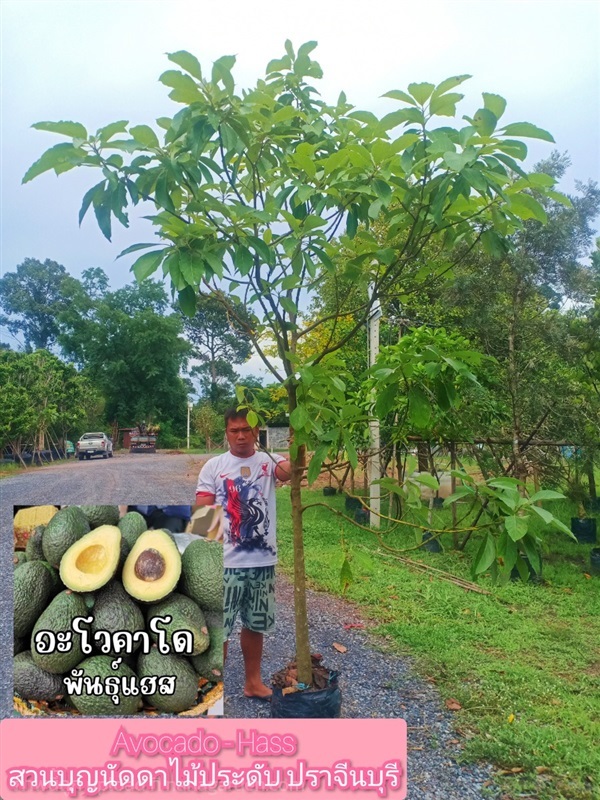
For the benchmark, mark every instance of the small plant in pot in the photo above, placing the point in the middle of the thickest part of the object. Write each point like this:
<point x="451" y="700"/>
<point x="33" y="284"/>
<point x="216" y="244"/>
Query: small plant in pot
<point x="583" y="527"/>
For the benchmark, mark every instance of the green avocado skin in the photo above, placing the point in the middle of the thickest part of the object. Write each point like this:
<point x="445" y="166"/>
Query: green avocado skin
<point x="209" y="664"/>
<point x="167" y="664"/>
<point x="33" y="683"/>
<point x="132" y="525"/>
<point x="65" y="528"/>
<point x="115" y="610"/>
<point x="102" y="705"/>
<point x="202" y="573"/>
<point x="33" y="548"/>
<point x="58" y="617"/>
<point x="186" y="616"/>
<point x="101" y="515"/>
<point x="19" y="558"/>
<point x="33" y="588"/>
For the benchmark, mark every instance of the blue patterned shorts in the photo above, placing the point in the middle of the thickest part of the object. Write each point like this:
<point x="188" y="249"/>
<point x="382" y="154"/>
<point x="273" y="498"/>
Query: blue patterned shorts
<point x="249" y="592"/>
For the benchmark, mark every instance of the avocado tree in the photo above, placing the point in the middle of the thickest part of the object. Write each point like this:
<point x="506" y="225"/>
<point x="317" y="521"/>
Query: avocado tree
<point x="261" y="192"/>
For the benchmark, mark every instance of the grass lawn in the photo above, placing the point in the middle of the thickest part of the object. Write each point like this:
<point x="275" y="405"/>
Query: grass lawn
<point x="523" y="662"/>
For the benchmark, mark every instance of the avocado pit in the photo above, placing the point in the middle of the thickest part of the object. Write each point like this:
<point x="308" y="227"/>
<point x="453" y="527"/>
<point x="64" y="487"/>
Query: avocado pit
<point x="150" y="565"/>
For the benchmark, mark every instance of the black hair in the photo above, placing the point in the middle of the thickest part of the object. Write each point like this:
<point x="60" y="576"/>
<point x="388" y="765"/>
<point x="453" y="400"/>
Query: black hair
<point x="233" y="413"/>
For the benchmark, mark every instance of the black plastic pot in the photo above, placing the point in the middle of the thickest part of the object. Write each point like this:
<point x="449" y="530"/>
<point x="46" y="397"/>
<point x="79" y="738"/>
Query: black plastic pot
<point x="534" y="577"/>
<point x="329" y="491"/>
<point x="430" y="544"/>
<point x="595" y="561"/>
<point x="321" y="704"/>
<point x="362" y="516"/>
<point x="438" y="502"/>
<point x="592" y="504"/>
<point x="584" y="530"/>
<point x="352" y="503"/>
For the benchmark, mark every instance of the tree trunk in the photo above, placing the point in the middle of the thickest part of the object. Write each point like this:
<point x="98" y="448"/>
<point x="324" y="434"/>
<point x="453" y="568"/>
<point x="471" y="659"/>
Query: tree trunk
<point x="303" y="659"/>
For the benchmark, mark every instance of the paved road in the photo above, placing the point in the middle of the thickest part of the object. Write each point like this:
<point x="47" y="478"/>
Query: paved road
<point x="148" y="479"/>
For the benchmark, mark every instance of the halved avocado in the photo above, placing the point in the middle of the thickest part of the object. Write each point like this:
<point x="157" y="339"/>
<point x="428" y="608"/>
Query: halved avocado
<point x="92" y="561"/>
<point x="152" y="568"/>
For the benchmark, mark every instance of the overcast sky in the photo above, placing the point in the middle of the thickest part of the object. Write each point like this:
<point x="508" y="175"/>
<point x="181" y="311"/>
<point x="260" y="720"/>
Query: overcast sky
<point x="99" y="61"/>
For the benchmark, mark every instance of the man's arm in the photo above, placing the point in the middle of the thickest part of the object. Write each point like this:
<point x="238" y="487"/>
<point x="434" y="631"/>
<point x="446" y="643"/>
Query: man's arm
<point x="205" y="499"/>
<point x="283" y="471"/>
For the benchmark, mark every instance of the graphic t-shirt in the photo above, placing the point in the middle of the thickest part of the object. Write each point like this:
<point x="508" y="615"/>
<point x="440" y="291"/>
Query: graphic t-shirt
<point x="245" y="487"/>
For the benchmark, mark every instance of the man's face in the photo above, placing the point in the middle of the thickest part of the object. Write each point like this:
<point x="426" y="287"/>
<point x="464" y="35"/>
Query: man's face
<point x="241" y="437"/>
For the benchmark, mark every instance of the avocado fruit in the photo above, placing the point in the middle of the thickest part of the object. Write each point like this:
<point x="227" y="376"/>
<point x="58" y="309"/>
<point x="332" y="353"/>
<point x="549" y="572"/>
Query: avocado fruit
<point x="202" y="573"/>
<point x="33" y="683"/>
<point x="92" y="560"/>
<point x="186" y="615"/>
<point x="33" y="548"/>
<point x="19" y="558"/>
<point x="101" y="515"/>
<point x="33" y="588"/>
<point x="209" y="664"/>
<point x="159" y="664"/>
<point x="65" y="528"/>
<point x="102" y="705"/>
<point x="152" y="568"/>
<point x="58" y="618"/>
<point x="114" y="610"/>
<point x="132" y="525"/>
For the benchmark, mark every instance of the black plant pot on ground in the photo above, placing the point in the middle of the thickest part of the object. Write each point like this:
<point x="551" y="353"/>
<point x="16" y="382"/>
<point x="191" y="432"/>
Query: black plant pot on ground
<point x="534" y="577"/>
<point x="329" y="491"/>
<point x="438" y="502"/>
<point x="362" y="516"/>
<point x="595" y="561"/>
<point x="592" y="504"/>
<point x="430" y="544"/>
<point x="584" y="530"/>
<point x="352" y="503"/>
<point x="308" y="704"/>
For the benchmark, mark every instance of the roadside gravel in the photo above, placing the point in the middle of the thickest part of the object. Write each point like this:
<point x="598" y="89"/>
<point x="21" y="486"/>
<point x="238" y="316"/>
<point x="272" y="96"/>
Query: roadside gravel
<point x="373" y="684"/>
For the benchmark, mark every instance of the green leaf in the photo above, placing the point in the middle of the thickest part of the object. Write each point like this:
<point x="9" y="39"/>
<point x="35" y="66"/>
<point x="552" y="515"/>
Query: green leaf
<point x="494" y="103"/>
<point x="445" y="106"/>
<point x="397" y="94"/>
<point x="144" y="135"/>
<point x="525" y="206"/>
<point x="187" y="301"/>
<point x="528" y="130"/>
<point x="314" y="468"/>
<point x="449" y="83"/>
<point x="456" y="161"/>
<point x="221" y="71"/>
<point x="461" y="491"/>
<point x="147" y="264"/>
<point x="186" y="61"/>
<point x="546" y="494"/>
<point x="260" y="248"/>
<point x="135" y="247"/>
<point x="383" y="190"/>
<point x="516" y="527"/>
<point x="558" y="197"/>
<point x="73" y="129"/>
<point x="95" y="192"/>
<point x="54" y="158"/>
<point x="191" y="266"/>
<point x="306" y="48"/>
<point x="419" y="407"/>
<point x="102" y="213"/>
<point x="346" y="576"/>
<point x="279" y="64"/>
<point x="427" y="480"/>
<point x="244" y="260"/>
<point x="108" y="131"/>
<point x="299" y="417"/>
<point x="252" y="418"/>
<point x="486" y="555"/>
<point x="421" y="91"/>
<point x="532" y="552"/>
<point x="187" y="90"/>
<point x="545" y="515"/>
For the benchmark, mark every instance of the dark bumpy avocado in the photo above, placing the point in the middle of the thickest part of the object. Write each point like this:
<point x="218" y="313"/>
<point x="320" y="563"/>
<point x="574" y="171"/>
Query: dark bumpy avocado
<point x="186" y="616"/>
<point x="19" y="558"/>
<point x="33" y="683"/>
<point x="114" y="610"/>
<point x="210" y="663"/>
<point x="65" y="528"/>
<point x="33" y="588"/>
<point x="132" y="525"/>
<point x="101" y="515"/>
<point x="57" y="618"/>
<point x="202" y="573"/>
<point x="92" y="560"/>
<point x="186" y="683"/>
<point x="152" y="568"/>
<point x="102" y="705"/>
<point x="33" y="548"/>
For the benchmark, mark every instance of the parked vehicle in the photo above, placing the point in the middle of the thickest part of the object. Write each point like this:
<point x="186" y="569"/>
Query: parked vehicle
<point x="94" y="444"/>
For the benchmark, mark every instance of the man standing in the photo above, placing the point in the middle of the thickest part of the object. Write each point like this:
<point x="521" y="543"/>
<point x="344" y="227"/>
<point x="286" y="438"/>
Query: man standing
<point x="242" y="481"/>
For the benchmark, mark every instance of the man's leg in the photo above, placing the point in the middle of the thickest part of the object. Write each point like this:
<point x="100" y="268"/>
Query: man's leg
<point x="252" y="648"/>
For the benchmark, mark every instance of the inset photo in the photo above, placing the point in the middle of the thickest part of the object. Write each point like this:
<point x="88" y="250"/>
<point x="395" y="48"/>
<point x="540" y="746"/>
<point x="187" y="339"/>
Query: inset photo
<point x="118" y="611"/>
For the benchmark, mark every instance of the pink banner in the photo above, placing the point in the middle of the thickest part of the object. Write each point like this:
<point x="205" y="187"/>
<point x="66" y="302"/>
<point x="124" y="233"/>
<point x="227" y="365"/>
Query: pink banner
<point x="171" y="757"/>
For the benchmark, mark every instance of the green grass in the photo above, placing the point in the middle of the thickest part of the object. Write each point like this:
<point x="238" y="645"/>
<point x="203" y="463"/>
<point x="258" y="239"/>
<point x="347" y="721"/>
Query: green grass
<point x="523" y="662"/>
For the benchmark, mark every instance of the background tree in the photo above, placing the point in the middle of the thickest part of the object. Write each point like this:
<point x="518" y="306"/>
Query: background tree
<point x="260" y="192"/>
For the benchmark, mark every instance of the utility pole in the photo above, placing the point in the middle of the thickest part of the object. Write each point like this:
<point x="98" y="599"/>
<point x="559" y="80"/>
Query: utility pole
<point x="190" y="405"/>
<point x="374" y="457"/>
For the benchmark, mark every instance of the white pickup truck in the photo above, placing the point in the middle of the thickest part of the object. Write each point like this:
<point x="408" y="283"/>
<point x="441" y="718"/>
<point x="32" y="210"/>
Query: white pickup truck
<point x="94" y="444"/>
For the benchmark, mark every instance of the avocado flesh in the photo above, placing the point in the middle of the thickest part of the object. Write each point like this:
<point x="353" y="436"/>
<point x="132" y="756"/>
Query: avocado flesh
<point x="92" y="561"/>
<point x="152" y="568"/>
<point x="202" y="573"/>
